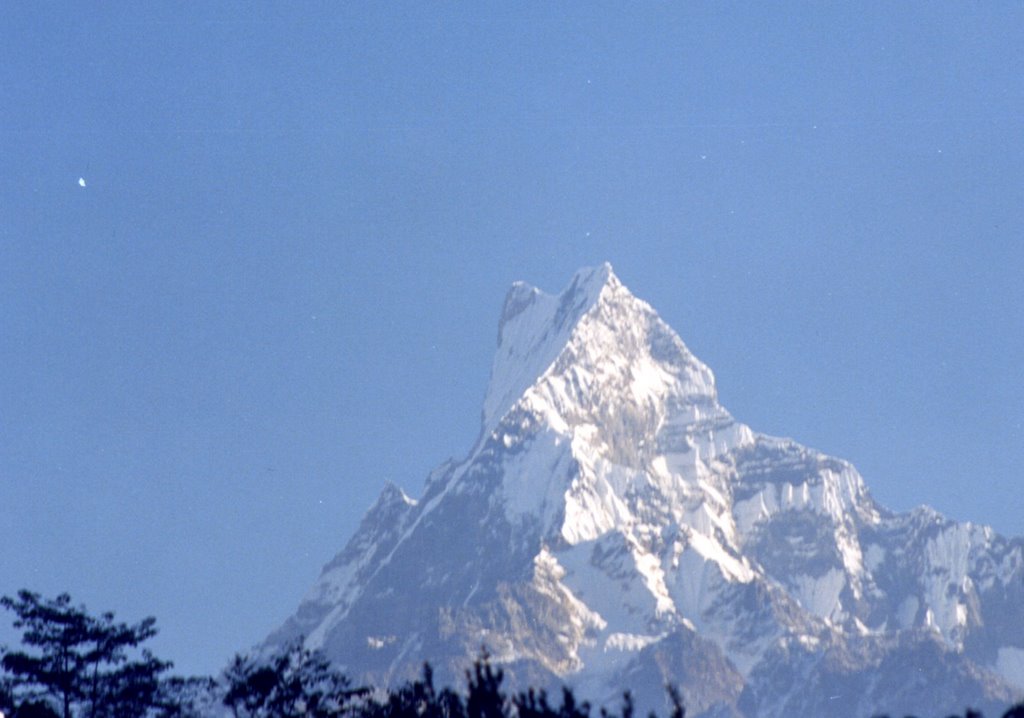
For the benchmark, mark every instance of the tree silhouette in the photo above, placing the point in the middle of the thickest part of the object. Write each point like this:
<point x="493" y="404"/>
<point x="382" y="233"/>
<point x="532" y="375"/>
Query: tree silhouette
<point x="78" y="663"/>
<point x="485" y="698"/>
<point x="75" y="665"/>
<point x="416" y="699"/>
<point x="187" y="697"/>
<point x="295" y="682"/>
<point x="35" y="709"/>
<point x="534" y="704"/>
<point x="6" y="696"/>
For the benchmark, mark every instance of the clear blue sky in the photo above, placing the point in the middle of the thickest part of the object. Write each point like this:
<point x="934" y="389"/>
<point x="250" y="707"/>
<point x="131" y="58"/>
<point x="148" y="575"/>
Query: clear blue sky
<point x="280" y="285"/>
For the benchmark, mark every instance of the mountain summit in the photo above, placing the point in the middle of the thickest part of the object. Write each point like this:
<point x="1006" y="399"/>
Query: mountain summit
<point x="614" y="527"/>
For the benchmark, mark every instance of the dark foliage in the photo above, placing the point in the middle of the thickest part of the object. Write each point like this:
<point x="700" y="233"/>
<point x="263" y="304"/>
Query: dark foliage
<point x="74" y="665"/>
<point x="35" y="709"/>
<point x="416" y="699"/>
<point x="533" y="704"/>
<point x="485" y="698"/>
<point x="186" y="697"/>
<point x="295" y="682"/>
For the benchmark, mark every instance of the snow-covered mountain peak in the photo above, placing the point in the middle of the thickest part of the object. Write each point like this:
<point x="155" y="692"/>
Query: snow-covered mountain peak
<point x="594" y="343"/>
<point x="614" y="526"/>
<point x="534" y="329"/>
<point x="584" y="289"/>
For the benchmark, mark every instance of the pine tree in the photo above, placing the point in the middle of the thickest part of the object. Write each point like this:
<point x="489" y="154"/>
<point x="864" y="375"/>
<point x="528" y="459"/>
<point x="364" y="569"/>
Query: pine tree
<point x="78" y="664"/>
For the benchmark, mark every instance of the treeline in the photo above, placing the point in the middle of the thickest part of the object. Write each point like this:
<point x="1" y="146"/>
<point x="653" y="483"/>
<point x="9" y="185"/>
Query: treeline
<point x="72" y="664"/>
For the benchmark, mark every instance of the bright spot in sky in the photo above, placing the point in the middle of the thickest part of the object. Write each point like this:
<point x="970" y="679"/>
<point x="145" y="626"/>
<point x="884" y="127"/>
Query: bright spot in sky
<point x="81" y="181"/>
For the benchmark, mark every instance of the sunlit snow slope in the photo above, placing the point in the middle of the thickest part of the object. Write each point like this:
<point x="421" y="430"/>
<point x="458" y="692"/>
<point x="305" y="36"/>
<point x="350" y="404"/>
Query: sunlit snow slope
<point x="615" y="527"/>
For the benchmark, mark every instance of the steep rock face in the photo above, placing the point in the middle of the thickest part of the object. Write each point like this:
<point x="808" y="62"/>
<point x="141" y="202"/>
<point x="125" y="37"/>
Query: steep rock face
<point x="614" y="526"/>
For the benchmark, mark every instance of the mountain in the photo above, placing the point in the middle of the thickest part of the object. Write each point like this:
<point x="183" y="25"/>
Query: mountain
<point x="613" y="526"/>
